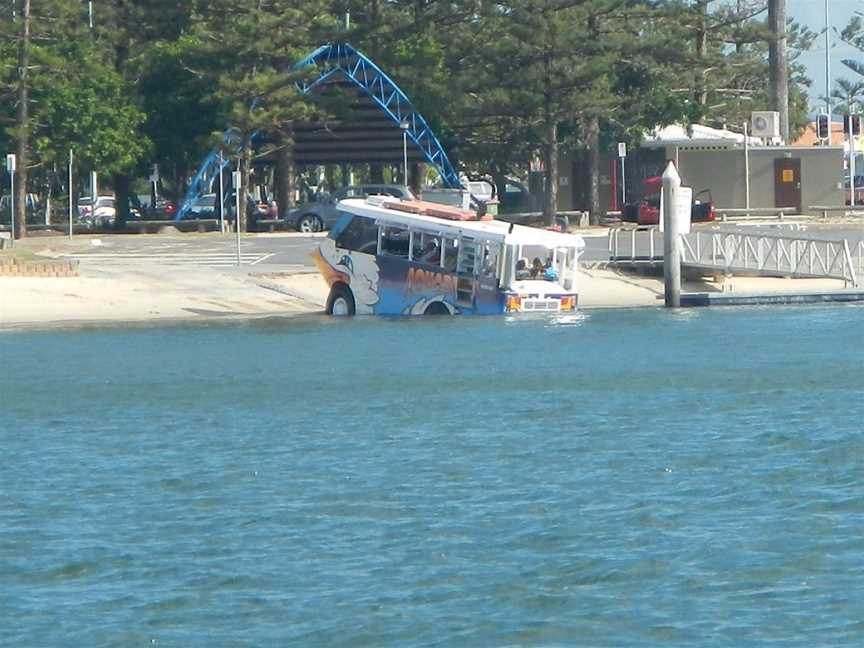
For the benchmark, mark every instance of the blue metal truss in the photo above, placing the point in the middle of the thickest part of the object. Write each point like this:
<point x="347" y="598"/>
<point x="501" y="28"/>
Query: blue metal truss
<point x="357" y="68"/>
<point x="209" y="170"/>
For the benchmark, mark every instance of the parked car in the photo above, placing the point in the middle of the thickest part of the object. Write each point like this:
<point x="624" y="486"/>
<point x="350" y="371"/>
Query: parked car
<point x="100" y="215"/>
<point x="34" y="211"/>
<point x="205" y="202"/>
<point x="322" y="214"/>
<point x="163" y="209"/>
<point x="105" y="212"/>
<point x="204" y="206"/>
<point x="515" y="197"/>
<point x="647" y="210"/>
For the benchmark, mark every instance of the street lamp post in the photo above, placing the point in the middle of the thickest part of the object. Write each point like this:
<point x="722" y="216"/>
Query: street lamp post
<point x="221" y="195"/>
<point x="828" y="71"/>
<point x="404" y="126"/>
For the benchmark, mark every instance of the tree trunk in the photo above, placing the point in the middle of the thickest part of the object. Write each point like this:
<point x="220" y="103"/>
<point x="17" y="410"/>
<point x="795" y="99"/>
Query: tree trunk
<point x="122" y="181"/>
<point x="417" y="171"/>
<point x="778" y="64"/>
<point x="376" y="173"/>
<point x="22" y="147"/>
<point x="700" y="92"/>
<point x="121" y="201"/>
<point x="592" y="137"/>
<point x="286" y="174"/>
<point x="550" y="206"/>
<point x="245" y="168"/>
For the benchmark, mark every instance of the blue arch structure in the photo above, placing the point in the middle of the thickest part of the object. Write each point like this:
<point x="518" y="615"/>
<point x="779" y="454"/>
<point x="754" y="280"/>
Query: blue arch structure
<point x="342" y="58"/>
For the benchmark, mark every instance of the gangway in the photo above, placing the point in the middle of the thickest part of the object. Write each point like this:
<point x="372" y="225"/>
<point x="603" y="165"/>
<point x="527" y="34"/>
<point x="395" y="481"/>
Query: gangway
<point x="732" y="251"/>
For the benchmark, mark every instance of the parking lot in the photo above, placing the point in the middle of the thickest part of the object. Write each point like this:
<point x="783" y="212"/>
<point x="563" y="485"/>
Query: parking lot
<point x="290" y="251"/>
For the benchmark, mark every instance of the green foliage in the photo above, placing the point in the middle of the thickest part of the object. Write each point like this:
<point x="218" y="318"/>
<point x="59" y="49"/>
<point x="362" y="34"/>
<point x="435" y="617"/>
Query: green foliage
<point x="181" y="111"/>
<point x="157" y="79"/>
<point x="252" y="49"/>
<point x="85" y="105"/>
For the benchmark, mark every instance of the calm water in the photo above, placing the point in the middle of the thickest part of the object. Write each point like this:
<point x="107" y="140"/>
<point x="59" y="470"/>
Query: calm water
<point x="637" y="478"/>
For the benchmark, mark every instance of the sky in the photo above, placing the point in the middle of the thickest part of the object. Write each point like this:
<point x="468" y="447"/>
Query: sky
<point x="812" y="14"/>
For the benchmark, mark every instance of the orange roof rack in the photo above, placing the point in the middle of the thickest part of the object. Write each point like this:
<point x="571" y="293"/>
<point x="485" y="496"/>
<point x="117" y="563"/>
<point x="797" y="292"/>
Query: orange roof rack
<point x="425" y="208"/>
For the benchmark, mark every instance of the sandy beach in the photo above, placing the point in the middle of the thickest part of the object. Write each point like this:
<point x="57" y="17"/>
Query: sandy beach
<point x="160" y="292"/>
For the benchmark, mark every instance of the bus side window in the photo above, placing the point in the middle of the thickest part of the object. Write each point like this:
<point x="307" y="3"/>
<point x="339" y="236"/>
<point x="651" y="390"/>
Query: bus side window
<point x="395" y="241"/>
<point x="361" y="235"/>
<point x="426" y="249"/>
<point x="451" y="252"/>
<point x="490" y="259"/>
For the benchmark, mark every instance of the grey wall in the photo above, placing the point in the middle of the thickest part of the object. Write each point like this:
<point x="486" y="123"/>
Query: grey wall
<point x="722" y="171"/>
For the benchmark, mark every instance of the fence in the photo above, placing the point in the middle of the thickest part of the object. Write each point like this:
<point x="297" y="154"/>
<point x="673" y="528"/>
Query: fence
<point x="769" y="254"/>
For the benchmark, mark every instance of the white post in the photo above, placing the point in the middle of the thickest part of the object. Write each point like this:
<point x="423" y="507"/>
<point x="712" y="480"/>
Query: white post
<point x="623" y="186"/>
<point x="71" y="201"/>
<point x="746" y="168"/>
<point x="221" y="196"/>
<point x="237" y="180"/>
<point x="828" y="70"/>
<point x="622" y="153"/>
<point x="405" y="156"/>
<point x="671" y="238"/>
<point x="12" y="206"/>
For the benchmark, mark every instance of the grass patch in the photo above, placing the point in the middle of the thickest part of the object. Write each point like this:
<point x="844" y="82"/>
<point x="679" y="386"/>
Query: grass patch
<point x="22" y="254"/>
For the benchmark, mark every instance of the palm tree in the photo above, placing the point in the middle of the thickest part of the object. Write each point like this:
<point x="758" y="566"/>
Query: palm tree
<point x="846" y="94"/>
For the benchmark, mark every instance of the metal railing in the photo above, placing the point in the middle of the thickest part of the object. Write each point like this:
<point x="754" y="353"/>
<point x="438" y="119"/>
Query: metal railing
<point x="734" y="251"/>
<point x="754" y="213"/>
<point x="844" y="210"/>
<point x="769" y="254"/>
<point x="628" y="252"/>
<point x="859" y="257"/>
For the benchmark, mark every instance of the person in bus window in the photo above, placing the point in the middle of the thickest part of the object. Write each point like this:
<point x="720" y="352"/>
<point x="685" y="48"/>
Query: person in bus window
<point x="537" y="268"/>
<point x="549" y="272"/>
<point x="433" y="256"/>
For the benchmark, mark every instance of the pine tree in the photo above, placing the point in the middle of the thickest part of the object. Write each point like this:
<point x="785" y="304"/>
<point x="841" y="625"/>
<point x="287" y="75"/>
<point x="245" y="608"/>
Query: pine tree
<point x="254" y="48"/>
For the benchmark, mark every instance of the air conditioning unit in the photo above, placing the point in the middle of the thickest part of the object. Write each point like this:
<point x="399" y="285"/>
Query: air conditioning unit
<point x="765" y="123"/>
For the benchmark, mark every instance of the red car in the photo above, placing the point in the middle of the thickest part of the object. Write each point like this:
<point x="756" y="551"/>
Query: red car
<point x="647" y="210"/>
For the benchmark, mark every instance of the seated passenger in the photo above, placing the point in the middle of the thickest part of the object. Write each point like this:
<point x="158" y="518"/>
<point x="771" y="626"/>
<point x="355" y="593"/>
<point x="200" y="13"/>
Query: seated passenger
<point x="537" y="268"/>
<point x="521" y="269"/>
<point x="432" y="254"/>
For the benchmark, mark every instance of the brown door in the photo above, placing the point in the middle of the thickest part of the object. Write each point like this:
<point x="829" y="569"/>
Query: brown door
<point x="787" y="183"/>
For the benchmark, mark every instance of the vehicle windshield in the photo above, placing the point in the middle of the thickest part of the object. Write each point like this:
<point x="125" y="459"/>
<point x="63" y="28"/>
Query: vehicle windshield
<point x="540" y="263"/>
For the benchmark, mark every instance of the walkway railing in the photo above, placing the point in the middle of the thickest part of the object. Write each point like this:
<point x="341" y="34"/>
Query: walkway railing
<point x="769" y="254"/>
<point x="736" y="252"/>
<point x="623" y="245"/>
<point x="859" y="258"/>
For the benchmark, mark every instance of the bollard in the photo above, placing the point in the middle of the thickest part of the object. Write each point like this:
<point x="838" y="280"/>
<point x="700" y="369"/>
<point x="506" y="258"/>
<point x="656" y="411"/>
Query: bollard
<point x="671" y="237"/>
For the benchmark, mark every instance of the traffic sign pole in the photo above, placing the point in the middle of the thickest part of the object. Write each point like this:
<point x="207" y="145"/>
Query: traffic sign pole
<point x="237" y="180"/>
<point x="10" y="167"/>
